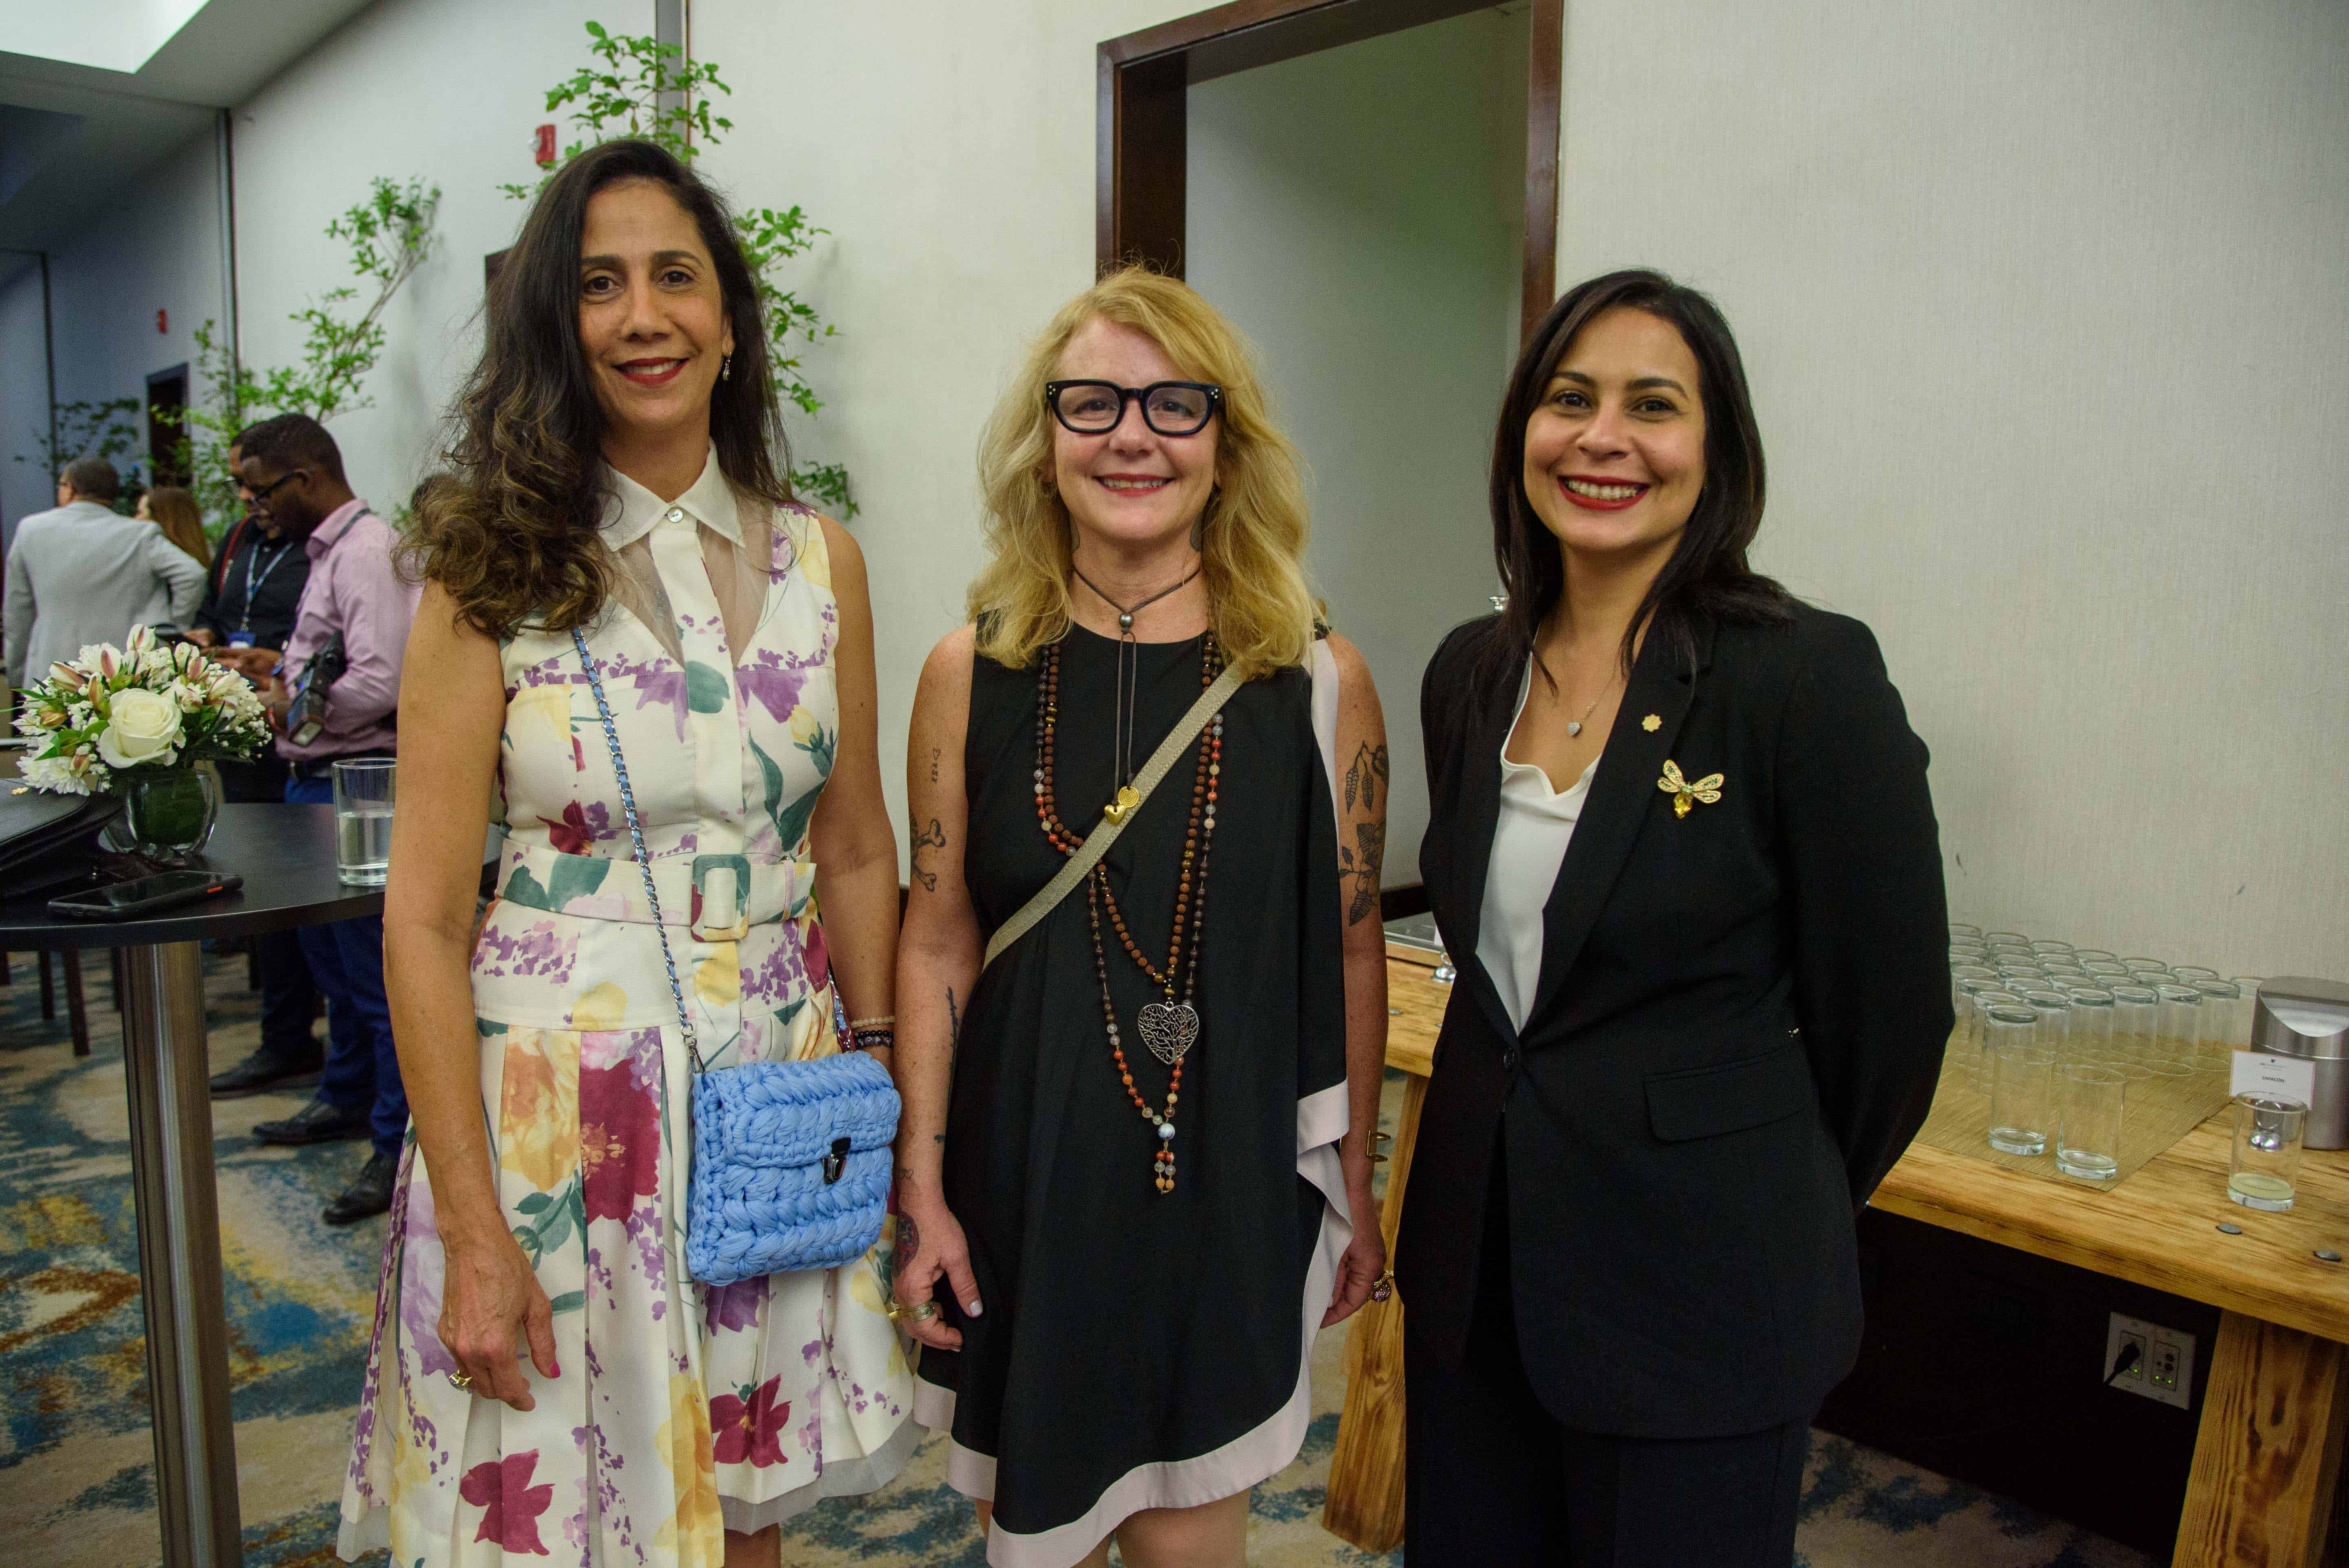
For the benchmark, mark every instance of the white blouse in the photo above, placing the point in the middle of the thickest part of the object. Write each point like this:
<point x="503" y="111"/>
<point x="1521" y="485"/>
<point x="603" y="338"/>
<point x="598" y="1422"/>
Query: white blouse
<point x="1530" y="839"/>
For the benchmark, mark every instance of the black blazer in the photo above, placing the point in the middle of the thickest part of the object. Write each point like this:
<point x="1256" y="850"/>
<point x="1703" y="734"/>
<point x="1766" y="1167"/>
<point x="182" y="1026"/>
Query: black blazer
<point x="1738" y="1029"/>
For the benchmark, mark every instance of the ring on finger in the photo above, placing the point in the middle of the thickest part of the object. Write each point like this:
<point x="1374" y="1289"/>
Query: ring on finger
<point x="914" y="1311"/>
<point x="1384" y="1290"/>
<point x="461" y="1381"/>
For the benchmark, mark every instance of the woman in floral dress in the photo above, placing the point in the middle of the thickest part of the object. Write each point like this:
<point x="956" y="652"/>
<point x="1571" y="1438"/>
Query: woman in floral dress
<point x="544" y="1380"/>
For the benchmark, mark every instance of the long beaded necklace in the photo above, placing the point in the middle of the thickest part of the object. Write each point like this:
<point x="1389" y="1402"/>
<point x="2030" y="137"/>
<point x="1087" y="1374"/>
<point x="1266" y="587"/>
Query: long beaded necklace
<point x="1169" y="1027"/>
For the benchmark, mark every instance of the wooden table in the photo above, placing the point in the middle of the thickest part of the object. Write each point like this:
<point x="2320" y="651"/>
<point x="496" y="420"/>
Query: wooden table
<point x="2275" y="1411"/>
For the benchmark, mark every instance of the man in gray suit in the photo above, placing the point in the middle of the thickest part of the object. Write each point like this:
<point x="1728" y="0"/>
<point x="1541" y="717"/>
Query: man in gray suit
<point x="84" y="573"/>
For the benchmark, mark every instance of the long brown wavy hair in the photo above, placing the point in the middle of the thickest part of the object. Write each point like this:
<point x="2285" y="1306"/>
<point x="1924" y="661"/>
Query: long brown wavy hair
<point x="512" y="530"/>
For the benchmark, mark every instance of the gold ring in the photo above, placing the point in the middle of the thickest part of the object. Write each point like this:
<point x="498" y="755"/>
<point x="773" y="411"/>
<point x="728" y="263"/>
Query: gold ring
<point x="460" y="1381"/>
<point x="917" y="1312"/>
<point x="1382" y="1288"/>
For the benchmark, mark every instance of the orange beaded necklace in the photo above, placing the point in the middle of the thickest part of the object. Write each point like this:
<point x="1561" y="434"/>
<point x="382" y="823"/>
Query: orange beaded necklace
<point x="1169" y="1027"/>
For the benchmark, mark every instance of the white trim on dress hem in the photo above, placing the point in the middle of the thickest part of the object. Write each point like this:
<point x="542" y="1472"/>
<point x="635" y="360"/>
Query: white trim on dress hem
<point x="1255" y="1455"/>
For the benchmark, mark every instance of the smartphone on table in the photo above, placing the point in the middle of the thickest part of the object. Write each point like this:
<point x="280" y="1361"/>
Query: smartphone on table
<point x="145" y="896"/>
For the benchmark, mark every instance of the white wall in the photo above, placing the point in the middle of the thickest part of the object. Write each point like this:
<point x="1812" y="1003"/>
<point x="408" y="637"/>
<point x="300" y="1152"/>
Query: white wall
<point x="443" y="88"/>
<point x="950" y="148"/>
<point x="2044" y="310"/>
<point x="156" y="248"/>
<point x="23" y="403"/>
<point x="1357" y="214"/>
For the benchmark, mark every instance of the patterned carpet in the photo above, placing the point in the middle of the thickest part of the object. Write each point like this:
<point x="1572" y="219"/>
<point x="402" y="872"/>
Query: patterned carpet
<point x="76" y="1485"/>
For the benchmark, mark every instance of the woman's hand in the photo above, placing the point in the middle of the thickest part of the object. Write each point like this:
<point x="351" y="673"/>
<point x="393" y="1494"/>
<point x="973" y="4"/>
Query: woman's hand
<point x="491" y="1307"/>
<point x="1359" y="1267"/>
<point x="930" y="1244"/>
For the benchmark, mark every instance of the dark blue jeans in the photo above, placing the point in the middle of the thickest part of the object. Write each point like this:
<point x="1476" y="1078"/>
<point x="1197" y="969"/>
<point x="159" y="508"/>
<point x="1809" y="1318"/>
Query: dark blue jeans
<point x="361" y="1074"/>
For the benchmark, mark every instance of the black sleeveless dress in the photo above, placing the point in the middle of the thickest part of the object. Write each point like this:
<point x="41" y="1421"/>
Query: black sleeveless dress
<point x="1137" y="1349"/>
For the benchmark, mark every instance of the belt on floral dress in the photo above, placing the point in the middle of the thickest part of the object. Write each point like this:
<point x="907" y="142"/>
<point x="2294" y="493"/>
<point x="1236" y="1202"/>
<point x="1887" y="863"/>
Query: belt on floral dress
<point x="717" y="898"/>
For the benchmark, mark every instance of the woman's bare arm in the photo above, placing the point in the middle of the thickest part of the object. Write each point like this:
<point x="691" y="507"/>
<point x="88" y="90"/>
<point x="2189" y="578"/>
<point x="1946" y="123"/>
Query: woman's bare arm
<point x="938" y="962"/>
<point x="452" y="702"/>
<point x="856" y="848"/>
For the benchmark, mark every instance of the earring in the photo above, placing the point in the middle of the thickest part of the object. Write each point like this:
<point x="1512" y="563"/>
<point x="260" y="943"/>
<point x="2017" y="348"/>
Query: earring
<point x="725" y="367"/>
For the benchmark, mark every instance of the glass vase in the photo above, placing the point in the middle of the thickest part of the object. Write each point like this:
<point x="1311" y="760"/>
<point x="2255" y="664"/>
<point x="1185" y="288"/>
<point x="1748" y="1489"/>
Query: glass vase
<point x="168" y="813"/>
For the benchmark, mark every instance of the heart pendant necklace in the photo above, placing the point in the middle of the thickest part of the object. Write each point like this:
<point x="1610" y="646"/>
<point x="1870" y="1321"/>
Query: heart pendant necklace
<point x="1171" y="1026"/>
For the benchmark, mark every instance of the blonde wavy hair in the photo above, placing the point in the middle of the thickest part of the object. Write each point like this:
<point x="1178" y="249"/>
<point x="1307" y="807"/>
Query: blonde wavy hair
<point x="1253" y="541"/>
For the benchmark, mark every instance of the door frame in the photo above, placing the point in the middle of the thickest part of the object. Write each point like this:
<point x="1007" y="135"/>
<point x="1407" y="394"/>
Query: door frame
<point x="1141" y="118"/>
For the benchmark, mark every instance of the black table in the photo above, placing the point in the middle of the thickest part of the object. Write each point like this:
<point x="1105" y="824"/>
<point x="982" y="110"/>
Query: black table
<point x="286" y="856"/>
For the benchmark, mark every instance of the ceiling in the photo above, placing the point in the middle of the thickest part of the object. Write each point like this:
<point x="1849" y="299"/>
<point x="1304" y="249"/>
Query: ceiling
<point x="73" y="134"/>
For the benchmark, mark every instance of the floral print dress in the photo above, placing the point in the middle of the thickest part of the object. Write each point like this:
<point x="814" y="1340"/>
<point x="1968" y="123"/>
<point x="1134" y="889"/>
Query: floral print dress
<point x="678" y="1412"/>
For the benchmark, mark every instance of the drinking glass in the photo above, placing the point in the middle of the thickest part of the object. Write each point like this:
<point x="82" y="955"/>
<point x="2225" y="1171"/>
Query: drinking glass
<point x="1958" y="929"/>
<point x="1976" y="1060"/>
<point x="2085" y="954"/>
<point x="2091" y="1020"/>
<point x="364" y="796"/>
<point x="2249" y="985"/>
<point x="1969" y="1020"/>
<point x="2226" y="1017"/>
<point x="2113" y="966"/>
<point x="2136" y="1016"/>
<point x="2058" y="967"/>
<point x="2180" y="1023"/>
<point x="2265" y="1170"/>
<point x="2021" y="1081"/>
<point x="2055" y="1021"/>
<point x="2049" y="945"/>
<point x="2016" y="937"/>
<point x="1958" y="974"/>
<point x="2191" y="973"/>
<point x="2088" y="1121"/>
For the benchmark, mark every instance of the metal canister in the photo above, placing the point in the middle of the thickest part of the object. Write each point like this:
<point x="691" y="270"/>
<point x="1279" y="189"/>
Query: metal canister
<point x="2298" y="1017"/>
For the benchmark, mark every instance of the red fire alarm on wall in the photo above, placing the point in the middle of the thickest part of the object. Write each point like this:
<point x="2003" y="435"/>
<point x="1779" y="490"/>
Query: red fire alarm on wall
<point x="162" y="320"/>
<point x="542" y="146"/>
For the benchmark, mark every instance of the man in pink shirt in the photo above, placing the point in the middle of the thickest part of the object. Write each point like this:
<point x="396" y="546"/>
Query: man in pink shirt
<point x="355" y="597"/>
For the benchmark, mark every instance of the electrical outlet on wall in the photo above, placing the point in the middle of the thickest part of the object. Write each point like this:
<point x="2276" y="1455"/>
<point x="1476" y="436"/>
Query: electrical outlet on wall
<point x="2164" y="1367"/>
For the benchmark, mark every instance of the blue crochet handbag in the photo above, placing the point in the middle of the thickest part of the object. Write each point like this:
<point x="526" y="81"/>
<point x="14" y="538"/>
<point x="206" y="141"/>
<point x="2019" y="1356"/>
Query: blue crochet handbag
<point x="791" y="1159"/>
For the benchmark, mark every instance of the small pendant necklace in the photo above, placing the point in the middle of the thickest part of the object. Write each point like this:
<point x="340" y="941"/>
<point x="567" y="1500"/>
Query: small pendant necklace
<point x="1169" y="1027"/>
<point x="1123" y="721"/>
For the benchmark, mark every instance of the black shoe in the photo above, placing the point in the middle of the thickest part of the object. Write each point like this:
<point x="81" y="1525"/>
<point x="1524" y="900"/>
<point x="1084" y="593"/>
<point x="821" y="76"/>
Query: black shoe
<point x="317" y="1122"/>
<point x="263" y="1071"/>
<point x="369" y="1195"/>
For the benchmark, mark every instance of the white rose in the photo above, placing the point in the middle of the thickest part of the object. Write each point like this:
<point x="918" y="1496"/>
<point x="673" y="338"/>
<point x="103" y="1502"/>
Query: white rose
<point x="141" y="727"/>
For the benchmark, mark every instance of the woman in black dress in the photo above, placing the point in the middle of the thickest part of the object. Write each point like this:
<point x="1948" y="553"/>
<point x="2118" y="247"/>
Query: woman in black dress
<point x="1132" y="1240"/>
<point x="1682" y="850"/>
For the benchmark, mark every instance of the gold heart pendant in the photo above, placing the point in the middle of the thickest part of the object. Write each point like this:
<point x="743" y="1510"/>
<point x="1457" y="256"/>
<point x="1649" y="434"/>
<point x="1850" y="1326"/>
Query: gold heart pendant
<point x="1117" y="811"/>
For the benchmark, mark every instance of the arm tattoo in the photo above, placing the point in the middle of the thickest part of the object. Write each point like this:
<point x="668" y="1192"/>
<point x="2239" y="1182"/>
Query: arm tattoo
<point x="954" y="1023"/>
<point x="932" y="837"/>
<point x="1366" y="777"/>
<point x="1364" y="864"/>
<point x="934" y="764"/>
<point x="909" y="1240"/>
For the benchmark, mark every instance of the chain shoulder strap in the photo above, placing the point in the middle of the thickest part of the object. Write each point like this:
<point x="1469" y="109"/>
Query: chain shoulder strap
<point x="636" y="837"/>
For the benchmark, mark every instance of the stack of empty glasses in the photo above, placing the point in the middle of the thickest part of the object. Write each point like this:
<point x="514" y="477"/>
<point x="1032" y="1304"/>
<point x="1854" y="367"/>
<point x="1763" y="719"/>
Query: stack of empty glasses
<point x="2061" y="1039"/>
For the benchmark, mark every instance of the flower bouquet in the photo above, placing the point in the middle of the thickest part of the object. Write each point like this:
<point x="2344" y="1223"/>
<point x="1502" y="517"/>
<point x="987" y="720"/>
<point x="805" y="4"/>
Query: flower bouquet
<point x="134" y="721"/>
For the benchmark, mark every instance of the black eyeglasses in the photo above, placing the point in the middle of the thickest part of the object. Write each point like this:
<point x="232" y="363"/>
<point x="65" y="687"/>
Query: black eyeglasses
<point x="289" y="477"/>
<point x="1169" y="408"/>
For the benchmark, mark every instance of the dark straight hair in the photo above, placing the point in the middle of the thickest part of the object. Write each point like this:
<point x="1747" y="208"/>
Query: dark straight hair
<point x="1707" y="577"/>
<point x="512" y="532"/>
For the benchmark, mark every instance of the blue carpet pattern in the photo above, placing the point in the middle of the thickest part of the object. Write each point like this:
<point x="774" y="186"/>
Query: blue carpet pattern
<point x="77" y="1486"/>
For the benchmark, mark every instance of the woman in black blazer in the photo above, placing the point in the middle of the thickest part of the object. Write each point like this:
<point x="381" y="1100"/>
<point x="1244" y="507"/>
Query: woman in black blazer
<point x="1701" y="994"/>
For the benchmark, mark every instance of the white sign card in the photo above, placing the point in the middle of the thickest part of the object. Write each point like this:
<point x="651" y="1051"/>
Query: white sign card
<point x="2280" y="1077"/>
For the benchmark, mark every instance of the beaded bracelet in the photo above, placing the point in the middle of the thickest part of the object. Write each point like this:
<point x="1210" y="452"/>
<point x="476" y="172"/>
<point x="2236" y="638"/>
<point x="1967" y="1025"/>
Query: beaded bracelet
<point x="857" y="1026"/>
<point x="874" y="1039"/>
